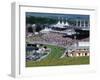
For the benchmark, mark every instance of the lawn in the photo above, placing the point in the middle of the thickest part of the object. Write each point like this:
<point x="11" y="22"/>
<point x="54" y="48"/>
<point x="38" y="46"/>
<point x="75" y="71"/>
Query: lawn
<point x="53" y="59"/>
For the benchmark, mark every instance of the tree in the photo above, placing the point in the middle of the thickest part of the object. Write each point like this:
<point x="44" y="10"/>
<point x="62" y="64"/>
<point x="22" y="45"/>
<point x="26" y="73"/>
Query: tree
<point x="40" y="20"/>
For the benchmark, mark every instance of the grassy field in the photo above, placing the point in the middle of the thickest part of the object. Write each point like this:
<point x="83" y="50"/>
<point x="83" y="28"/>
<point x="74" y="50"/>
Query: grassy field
<point x="54" y="59"/>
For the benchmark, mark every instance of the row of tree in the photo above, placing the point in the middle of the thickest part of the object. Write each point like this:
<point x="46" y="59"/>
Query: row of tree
<point x="49" y="20"/>
<point x="40" y="20"/>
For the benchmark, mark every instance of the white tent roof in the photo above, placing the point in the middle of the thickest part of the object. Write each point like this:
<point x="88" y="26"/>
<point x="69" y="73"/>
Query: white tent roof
<point x="61" y="25"/>
<point x="33" y="25"/>
<point x="46" y="30"/>
<point x="66" y="24"/>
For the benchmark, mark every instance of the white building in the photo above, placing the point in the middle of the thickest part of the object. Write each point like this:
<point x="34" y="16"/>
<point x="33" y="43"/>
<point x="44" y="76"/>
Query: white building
<point x="81" y="49"/>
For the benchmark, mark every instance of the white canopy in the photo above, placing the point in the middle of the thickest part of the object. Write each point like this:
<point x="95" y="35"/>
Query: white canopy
<point x="45" y="30"/>
<point x="61" y="25"/>
<point x="33" y="25"/>
<point x="66" y="24"/>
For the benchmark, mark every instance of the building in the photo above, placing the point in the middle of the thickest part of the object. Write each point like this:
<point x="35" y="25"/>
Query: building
<point x="77" y="50"/>
<point x="80" y="49"/>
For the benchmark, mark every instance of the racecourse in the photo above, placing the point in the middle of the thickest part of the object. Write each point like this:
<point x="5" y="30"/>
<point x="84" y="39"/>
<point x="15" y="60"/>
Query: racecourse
<point x="53" y="59"/>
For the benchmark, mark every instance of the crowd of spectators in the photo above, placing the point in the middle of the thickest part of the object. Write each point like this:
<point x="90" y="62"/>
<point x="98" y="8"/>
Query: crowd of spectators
<point x="54" y="38"/>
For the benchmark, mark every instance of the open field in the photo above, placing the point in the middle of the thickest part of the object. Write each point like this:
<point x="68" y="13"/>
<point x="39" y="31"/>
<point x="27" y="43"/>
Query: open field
<point x="53" y="59"/>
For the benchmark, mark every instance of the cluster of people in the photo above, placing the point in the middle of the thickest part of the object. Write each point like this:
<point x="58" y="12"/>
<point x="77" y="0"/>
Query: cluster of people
<point x="54" y="38"/>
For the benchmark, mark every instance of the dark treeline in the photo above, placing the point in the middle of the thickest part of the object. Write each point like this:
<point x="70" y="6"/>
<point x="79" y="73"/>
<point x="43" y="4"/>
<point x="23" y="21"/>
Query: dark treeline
<point x="40" y="20"/>
<point x="50" y="20"/>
